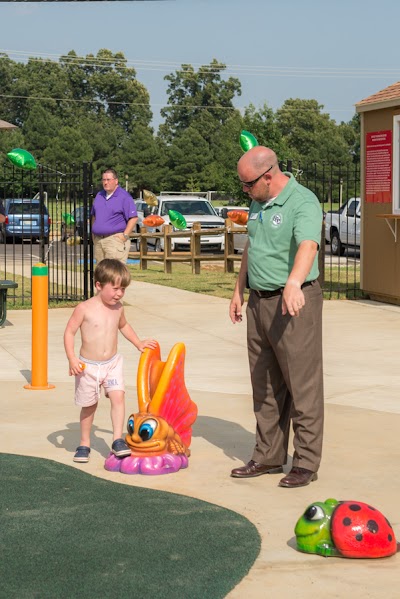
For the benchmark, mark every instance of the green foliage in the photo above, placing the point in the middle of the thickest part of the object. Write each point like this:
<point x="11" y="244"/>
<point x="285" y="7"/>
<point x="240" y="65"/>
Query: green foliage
<point x="202" y="100"/>
<point x="142" y="157"/>
<point x="68" y="142"/>
<point x="309" y="134"/>
<point x="93" y="108"/>
<point x="188" y="155"/>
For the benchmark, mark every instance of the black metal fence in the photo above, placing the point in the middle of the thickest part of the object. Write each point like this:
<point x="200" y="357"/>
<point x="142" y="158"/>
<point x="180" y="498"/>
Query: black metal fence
<point x="59" y="195"/>
<point x="334" y="185"/>
<point x="65" y="195"/>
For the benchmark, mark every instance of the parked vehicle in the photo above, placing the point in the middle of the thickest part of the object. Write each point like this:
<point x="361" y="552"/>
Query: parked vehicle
<point x="194" y="209"/>
<point x="342" y="227"/>
<point x="24" y="220"/>
<point x="239" y="240"/>
<point x="78" y="223"/>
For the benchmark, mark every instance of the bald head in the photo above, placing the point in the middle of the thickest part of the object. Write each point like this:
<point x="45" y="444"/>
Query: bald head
<point x="258" y="158"/>
<point x="260" y="174"/>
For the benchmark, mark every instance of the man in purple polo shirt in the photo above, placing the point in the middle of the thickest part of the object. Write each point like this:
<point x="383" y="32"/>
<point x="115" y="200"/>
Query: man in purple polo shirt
<point x="114" y="217"/>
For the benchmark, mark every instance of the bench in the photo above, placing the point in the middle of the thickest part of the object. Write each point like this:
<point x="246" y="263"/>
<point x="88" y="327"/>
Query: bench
<point x="4" y="287"/>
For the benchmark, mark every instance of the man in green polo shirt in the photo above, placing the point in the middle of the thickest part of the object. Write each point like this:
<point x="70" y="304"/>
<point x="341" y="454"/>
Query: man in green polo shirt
<point x="284" y="319"/>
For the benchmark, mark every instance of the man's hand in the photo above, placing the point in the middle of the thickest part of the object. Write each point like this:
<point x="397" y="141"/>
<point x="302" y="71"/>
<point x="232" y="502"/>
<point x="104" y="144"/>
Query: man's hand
<point x="235" y="308"/>
<point x="292" y="299"/>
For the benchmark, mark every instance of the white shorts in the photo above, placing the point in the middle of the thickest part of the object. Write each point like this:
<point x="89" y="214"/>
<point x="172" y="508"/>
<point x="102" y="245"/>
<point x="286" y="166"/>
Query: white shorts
<point x="107" y="374"/>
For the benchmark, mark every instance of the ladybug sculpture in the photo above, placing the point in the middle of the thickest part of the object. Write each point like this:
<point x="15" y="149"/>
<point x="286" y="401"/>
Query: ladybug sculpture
<point x="345" y="529"/>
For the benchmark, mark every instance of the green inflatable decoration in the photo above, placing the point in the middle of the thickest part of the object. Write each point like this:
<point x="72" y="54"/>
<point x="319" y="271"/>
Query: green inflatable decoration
<point x="247" y="140"/>
<point x="68" y="219"/>
<point x="177" y="219"/>
<point x="22" y="158"/>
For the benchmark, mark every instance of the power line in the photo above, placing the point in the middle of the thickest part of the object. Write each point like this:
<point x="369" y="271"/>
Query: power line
<point x="148" y="104"/>
<point x="159" y="65"/>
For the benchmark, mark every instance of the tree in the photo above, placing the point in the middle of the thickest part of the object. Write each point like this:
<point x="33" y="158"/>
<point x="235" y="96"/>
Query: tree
<point x="7" y="103"/>
<point x="351" y="132"/>
<point x="8" y="141"/>
<point x="202" y="100"/>
<point x="188" y="156"/>
<point x="263" y="125"/>
<point x="310" y="135"/>
<point x="68" y="147"/>
<point x="141" y="157"/>
<point x="117" y="90"/>
<point x="104" y="138"/>
<point x="221" y="173"/>
<point x="39" y="129"/>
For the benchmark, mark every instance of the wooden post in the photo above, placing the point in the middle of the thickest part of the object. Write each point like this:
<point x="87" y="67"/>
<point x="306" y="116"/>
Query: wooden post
<point x="229" y="247"/>
<point x="196" y="258"/>
<point x="143" y="249"/>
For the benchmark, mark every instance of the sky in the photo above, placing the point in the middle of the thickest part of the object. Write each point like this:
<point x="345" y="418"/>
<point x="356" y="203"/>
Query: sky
<point x="335" y="52"/>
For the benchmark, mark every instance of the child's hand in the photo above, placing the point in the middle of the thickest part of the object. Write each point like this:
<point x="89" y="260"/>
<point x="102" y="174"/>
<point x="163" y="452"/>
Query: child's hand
<point x="75" y="367"/>
<point x="150" y="343"/>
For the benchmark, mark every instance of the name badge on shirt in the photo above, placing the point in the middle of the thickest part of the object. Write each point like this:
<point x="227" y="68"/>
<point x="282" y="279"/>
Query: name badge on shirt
<point x="253" y="216"/>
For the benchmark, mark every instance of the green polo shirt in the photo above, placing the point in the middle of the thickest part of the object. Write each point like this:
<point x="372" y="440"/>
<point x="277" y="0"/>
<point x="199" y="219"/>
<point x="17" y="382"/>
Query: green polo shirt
<point x="275" y="232"/>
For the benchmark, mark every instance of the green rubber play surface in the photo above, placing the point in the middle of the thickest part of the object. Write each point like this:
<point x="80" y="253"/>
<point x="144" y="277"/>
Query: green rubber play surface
<point x="66" y="534"/>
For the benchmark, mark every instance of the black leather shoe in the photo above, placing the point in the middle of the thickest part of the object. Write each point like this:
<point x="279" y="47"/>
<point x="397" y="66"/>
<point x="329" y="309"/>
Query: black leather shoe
<point x="253" y="468"/>
<point x="298" y="477"/>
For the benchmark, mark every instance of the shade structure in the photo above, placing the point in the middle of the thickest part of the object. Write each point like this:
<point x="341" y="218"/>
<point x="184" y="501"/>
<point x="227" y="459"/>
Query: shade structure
<point x="5" y="125"/>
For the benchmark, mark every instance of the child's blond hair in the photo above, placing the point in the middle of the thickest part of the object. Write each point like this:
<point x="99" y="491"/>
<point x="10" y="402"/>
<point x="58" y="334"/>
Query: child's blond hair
<point x="112" y="271"/>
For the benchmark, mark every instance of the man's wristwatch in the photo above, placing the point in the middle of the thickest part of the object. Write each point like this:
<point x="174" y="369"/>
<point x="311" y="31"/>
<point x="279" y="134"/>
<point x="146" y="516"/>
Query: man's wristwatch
<point x="125" y="235"/>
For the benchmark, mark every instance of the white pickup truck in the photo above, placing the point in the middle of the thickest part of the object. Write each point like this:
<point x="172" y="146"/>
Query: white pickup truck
<point x="342" y="227"/>
<point x="194" y="209"/>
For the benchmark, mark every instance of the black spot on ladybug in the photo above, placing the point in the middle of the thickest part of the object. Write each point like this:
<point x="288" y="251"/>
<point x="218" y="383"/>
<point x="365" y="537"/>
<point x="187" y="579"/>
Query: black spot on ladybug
<point x="354" y="507"/>
<point x="359" y="537"/>
<point x="390" y="538"/>
<point x="346" y="521"/>
<point x="372" y="526"/>
<point x="372" y="508"/>
<point x="388" y="523"/>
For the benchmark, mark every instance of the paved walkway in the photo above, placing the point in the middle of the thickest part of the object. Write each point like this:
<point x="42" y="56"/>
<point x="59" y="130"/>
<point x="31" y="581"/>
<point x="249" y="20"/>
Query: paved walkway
<point x="361" y="450"/>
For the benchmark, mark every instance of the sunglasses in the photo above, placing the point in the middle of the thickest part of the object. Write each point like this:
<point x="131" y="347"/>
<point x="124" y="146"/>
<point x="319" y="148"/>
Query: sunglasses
<point x="252" y="183"/>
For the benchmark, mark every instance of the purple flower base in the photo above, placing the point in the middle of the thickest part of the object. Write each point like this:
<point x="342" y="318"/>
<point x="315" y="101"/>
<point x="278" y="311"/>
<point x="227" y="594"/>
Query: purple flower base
<point x="162" y="464"/>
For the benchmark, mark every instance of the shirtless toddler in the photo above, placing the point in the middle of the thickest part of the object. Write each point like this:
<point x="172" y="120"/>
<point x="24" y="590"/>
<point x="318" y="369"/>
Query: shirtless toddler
<point x="99" y="365"/>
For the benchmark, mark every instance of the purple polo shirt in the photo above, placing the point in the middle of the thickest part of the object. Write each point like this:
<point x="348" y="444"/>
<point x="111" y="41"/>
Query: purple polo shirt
<point x="112" y="215"/>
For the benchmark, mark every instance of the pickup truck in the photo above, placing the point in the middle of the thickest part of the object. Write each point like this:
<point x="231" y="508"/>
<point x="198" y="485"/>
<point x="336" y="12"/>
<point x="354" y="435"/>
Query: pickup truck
<point x="239" y="240"/>
<point x="342" y="227"/>
<point x="194" y="209"/>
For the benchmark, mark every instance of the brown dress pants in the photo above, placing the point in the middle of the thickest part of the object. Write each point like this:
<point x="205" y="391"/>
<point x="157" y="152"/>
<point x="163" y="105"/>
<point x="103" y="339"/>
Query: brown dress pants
<point x="285" y="357"/>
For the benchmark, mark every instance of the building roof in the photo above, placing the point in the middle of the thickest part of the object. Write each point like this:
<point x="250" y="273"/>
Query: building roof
<point x="5" y="125"/>
<point x="387" y="97"/>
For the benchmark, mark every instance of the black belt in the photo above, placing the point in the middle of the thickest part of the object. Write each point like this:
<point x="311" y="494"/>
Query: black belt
<point x="266" y="294"/>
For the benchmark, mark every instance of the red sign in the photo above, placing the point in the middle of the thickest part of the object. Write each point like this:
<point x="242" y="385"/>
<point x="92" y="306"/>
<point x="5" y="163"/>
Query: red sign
<point x="378" y="168"/>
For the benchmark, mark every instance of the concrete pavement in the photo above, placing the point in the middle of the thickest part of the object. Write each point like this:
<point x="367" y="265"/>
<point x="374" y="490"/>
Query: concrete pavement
<point x="361" y="449"/>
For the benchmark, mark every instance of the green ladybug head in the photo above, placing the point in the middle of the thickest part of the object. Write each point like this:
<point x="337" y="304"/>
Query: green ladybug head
<point x="313" y="529"/>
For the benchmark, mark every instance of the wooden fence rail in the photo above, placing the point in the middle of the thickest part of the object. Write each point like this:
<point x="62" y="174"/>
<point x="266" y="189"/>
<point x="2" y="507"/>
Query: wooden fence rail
<point x="195" y="256"/>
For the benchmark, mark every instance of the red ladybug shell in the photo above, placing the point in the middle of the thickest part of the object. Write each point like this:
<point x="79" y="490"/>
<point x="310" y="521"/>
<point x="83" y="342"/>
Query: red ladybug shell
<point x="359" y="530"/>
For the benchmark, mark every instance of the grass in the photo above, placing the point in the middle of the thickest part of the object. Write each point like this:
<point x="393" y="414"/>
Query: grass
<point x="212" y="279"/>
<point x="20" y="298"/>
<point x="340" y="282"/>
<point x="343" y="282"/>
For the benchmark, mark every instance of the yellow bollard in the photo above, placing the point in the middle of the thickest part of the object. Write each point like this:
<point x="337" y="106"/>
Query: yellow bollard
<point x="40" y="318"/>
